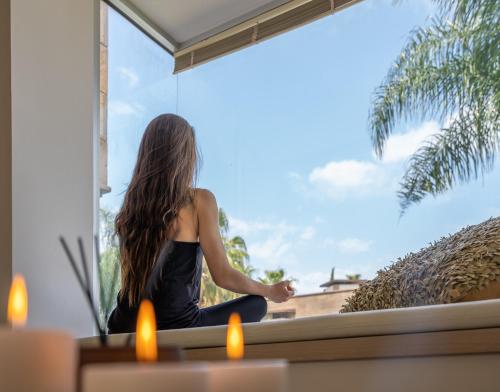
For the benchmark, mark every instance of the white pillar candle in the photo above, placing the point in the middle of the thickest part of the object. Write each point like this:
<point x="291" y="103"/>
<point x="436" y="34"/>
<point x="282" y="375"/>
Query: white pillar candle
<point x="37" y="360"/>
<point x="145" y="377"/>
<point x="249" y="376"/>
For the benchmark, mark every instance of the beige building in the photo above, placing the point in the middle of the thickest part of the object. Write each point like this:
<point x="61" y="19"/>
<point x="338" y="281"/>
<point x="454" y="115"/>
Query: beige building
<point x="330" y="300"/>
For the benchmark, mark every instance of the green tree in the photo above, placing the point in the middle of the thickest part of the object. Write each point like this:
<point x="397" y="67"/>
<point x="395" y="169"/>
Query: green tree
<point x="238" y="257"/>
<point x="353" y="277"/>
<point x="275" y="276"/>
<point x="236" y="248"/>
<point x="450" y="71"/>
<point x="109" y="264"/>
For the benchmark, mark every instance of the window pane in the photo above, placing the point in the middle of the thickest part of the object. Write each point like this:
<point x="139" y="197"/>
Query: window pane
<point x="283" y="127"/>
<point x="140" y="86"/>
<point x="283" y="130"/>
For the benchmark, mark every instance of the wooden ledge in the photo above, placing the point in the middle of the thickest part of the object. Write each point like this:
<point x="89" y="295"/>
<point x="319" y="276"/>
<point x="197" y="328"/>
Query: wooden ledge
<point x="474" y="341"/>
<point x="463" y="316"/>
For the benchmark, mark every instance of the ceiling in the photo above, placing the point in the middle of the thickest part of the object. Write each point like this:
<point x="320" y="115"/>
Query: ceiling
<point x="185" y="22"/>
<point x="197" y="31"/>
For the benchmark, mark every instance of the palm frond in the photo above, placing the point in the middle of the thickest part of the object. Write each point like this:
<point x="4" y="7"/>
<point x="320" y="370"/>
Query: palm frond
<point x="450" y="69"/>
<point x="466" y="11"/>
<point x="223" y="222"/>
<point x="460" y="152"/>
<point x="435" y="76"/>
<point x="238" y="243"/>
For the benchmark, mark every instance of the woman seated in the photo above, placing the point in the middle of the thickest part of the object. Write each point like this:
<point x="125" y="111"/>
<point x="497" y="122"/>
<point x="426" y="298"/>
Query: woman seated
<point x="165" y="228"/>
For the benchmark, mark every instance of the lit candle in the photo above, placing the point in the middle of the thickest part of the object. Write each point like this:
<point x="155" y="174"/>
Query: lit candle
<point x="17" y="308"/>
<point x="146" y="348"/>
<point x="34" y="360"/>
<point x="246" y="375"/>
<point x="146" y="375"/>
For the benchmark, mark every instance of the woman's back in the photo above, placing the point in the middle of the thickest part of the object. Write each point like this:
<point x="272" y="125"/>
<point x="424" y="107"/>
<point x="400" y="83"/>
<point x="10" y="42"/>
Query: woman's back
<point x="185" y="226"/>
<point x="174" y="284"/>
<point x="175" y="291"/>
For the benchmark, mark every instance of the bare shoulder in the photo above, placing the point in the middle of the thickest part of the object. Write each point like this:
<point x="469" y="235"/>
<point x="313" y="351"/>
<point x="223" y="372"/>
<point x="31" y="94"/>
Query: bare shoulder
<point x="204" y="199"/>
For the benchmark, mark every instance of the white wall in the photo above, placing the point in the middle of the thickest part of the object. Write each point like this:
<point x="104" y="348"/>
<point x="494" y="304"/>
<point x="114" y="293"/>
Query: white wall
<point x="54" y="120"/>
<point x="5" y="160"/>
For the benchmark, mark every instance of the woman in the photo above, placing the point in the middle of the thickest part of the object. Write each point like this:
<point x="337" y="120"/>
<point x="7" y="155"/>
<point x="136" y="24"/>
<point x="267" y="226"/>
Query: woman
<point x="165" y="227"/>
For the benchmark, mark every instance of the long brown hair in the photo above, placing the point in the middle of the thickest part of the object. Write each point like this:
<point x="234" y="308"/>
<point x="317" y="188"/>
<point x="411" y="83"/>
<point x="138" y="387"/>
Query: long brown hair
<point x="161" y="185"/>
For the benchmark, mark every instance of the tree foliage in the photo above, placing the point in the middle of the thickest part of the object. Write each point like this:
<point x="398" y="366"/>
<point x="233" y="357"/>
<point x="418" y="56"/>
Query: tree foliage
<point x="109" y="264"/>
<point x="275" y="276"/>
<point x="238" y="257"/>
<point x="449" y="71"/>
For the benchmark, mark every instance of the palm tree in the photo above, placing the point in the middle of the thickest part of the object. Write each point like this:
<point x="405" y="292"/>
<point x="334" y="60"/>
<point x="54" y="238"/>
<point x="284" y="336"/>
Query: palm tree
<point x="450" y="71"/>
<point x="237" y="255"/>
<point x="353" y="277"/>
<point x="236" y="248"/>
<point x="273" y="276"/>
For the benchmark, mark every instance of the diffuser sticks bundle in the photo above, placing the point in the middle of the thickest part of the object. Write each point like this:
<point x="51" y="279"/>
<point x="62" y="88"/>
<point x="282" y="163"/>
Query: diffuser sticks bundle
<point x="84" y="281"/>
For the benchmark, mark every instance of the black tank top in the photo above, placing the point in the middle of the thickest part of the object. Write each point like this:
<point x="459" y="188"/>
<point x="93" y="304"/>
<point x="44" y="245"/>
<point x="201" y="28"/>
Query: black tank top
<point x="176" y="294"/>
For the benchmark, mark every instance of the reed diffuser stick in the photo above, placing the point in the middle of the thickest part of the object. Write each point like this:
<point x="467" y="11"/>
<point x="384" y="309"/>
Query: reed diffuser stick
<point x="85" y="286"/>
<point x="83" y="258"/>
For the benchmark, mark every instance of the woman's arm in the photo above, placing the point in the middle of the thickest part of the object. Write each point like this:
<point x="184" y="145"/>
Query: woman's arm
<point x="222" y="273"/>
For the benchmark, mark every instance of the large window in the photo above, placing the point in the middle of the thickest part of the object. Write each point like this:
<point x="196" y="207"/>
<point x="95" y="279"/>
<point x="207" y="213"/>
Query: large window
<point x="282" y="127"/>
<point x="139" y="86"/>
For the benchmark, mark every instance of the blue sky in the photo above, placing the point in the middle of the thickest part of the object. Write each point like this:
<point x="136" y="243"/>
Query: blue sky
<point x="282" y="127"/>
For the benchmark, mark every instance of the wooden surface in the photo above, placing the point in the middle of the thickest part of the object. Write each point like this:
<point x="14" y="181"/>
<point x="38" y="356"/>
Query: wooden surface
<point x="470" y="315"/>
<point x="95" y="355"/>
<point x="476" y="341"/>
<point x="457" y="373"/>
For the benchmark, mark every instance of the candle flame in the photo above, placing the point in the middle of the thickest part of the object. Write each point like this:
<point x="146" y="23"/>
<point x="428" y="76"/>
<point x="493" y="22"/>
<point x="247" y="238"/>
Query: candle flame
<point x="235" y="343"/>
<point x="145" y="343"/>
<point x="17" y="309"/>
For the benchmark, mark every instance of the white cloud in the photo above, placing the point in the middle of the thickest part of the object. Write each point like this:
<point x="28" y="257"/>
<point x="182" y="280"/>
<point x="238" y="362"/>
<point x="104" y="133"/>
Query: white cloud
<point x="245" y="227"/>
<point x="121" y="108"/>
<point x="344" y="178"/>
<point x="308" y="233"/>
<point x="356" y="178"/>
<point x="271" y="244"/>
<point x="274" y="239"/>
<point x="271" y="249"/>
<point x="401" y="146"/>
<point x="354" y="245"/>
<point x="129" y="75"/>
<point x="349" y="245"/>
<point x="309" y="282"/>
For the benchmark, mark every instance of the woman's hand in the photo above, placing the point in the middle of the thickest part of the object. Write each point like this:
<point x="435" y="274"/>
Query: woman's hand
<point x="280" y="292"/>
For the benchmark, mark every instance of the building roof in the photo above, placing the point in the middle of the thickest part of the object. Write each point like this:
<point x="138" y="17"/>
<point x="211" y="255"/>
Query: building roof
<point x="334" y="281"/>
<point x="342" y="281"/>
